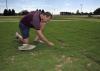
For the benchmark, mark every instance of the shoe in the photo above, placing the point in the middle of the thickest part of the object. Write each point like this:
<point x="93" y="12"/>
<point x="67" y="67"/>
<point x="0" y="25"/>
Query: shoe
<point x="26" y="47"/>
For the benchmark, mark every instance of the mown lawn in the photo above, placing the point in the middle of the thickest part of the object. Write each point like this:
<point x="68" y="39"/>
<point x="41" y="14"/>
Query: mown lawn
<point x="77" y="46"/>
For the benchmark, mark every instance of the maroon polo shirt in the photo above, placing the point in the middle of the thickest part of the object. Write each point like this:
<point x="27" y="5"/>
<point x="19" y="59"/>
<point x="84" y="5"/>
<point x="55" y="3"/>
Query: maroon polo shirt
<point x="32" y="20"/>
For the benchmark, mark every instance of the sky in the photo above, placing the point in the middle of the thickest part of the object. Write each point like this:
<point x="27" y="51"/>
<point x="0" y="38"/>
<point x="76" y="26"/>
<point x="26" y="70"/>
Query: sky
<point x="54" y="6"/>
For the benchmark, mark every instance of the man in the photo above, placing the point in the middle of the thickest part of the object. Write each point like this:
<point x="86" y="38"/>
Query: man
<point x="36" y="20"/>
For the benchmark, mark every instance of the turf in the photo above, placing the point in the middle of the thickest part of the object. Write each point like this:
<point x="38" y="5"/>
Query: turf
<point x="77" y="43"/>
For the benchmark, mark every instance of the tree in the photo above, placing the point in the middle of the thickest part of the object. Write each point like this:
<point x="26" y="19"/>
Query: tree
<point x="37" y="10"/>
<point x="97" y="11"/>
<point x="13" y="12"/>
<point x="42" y="11"/>
<point x="5" y="13"/>
<point x="90" y="14"/>
<point x="77" y="12"/>
<point x="23" y="12"/>
<point x="9" y="12"/>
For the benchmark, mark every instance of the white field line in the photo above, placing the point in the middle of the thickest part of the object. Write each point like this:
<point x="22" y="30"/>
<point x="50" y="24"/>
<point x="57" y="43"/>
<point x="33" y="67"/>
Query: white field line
<point x="9" y="21"/>
<point x="18" y="21"/>
<point x="61" y="20"/>
<point x="51" y="20"/>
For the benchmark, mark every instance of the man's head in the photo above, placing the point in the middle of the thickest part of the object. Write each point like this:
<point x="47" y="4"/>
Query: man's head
<point x="46" y="16"/>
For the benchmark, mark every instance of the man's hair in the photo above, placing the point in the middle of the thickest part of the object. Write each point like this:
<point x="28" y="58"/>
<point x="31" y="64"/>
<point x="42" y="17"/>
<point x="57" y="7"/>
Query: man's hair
<point x="48" y="14"/>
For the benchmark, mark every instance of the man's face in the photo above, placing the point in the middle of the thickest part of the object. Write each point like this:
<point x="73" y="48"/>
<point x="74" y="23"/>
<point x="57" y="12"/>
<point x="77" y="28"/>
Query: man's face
<point x="45" y="18"/>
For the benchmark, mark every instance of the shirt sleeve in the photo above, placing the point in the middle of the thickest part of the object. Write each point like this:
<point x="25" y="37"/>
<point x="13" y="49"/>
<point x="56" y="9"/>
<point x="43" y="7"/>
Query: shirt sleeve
<point x="36" y="21"/>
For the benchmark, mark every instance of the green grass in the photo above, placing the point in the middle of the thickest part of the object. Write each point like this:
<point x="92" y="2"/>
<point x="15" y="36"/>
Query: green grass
<point x="76" y="47"/>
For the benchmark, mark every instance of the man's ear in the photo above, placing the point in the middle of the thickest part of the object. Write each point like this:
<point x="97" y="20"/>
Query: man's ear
<point x="41" y="15"/>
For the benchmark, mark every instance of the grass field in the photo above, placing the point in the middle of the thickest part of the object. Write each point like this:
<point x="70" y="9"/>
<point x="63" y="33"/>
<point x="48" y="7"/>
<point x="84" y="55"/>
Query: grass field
<point x="77" y="46"/>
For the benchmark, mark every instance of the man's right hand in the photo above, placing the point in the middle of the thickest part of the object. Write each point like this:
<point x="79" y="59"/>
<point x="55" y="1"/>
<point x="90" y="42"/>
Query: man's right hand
<point x="43" y="38"/>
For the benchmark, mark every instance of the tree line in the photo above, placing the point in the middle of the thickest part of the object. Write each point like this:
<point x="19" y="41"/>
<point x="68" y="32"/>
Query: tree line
<point x="12" y="12"/>
<point x="9" y="12"/>
<point x="96" y="12"/>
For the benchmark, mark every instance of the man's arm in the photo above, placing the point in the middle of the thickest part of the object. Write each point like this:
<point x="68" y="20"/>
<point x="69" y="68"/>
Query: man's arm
<point x="42" y="26"/>
<point x="42" y="37"/>
<point x="42" y="29"/>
